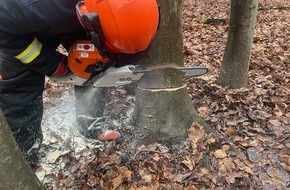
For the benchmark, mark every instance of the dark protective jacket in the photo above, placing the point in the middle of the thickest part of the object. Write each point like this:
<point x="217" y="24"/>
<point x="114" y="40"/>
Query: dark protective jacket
<point x="31" y="30"/>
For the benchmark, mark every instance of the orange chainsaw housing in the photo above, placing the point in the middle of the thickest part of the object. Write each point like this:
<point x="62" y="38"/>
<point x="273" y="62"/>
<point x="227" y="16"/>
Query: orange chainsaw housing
<point x="82" y="56"/>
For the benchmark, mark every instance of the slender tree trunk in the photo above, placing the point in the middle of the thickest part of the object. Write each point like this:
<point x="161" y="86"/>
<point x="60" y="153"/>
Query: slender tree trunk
<point x="15" y="173"/>
<point x="163" y="109"/>
<point x="235" y="65"/>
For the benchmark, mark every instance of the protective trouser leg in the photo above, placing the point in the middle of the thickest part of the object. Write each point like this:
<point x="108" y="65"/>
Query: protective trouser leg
<point x="90" y="104"/>
<point x="25" y="125"/>
<point x="21" y="102"/>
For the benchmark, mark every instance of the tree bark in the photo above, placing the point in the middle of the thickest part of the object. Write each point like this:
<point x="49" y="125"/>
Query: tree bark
<point x="15" y="173"/>
<point x="163" y="109"/>
<point x="235" y="65"/>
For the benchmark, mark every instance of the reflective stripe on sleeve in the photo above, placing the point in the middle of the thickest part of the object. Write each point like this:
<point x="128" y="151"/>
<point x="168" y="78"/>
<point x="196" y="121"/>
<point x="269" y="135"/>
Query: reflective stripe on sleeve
<point x="31" y="52"/>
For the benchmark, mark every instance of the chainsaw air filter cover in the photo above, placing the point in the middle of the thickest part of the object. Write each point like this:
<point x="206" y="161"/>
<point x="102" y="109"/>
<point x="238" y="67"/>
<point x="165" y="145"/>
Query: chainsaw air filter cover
<point x="83" y="57"/>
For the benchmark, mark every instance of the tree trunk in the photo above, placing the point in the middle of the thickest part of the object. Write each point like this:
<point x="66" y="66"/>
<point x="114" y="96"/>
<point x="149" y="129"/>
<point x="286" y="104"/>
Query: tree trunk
<point x="15" y="173"/>
<point x="235" y="65"/>
<point x="163" y="109"/>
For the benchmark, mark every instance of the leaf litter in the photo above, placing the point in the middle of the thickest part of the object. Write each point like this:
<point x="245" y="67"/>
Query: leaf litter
<point x="250" y="148"/>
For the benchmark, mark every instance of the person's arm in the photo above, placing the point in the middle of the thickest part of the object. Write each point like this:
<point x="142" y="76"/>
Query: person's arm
<point x="30" y="51"/>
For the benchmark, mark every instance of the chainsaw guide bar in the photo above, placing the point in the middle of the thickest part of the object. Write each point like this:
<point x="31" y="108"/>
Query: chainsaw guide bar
<point x="119" y="76"/>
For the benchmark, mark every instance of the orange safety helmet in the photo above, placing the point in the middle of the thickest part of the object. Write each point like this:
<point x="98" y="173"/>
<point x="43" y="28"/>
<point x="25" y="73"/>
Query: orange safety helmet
<point x="120" y="28"/>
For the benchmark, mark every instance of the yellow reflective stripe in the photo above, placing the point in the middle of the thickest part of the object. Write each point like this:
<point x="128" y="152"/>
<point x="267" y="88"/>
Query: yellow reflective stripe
<point x="31" y="52"/>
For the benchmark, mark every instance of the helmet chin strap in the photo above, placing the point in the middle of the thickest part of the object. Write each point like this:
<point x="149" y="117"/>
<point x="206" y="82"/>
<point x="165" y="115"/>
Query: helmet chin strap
<point x="121" y="59"/>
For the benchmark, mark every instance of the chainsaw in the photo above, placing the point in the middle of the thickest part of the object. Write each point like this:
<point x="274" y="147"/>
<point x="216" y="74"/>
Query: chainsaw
<point x="88" y="67"/>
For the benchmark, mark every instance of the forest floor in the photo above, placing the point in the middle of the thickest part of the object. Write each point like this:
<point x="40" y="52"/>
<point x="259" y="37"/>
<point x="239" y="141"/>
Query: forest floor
<point x="250" y="148"/>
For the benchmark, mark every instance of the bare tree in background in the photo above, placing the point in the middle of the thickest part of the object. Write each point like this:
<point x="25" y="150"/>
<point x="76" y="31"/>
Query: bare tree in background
<point x="163" y="109"/>
<point x="15" y="173"/>
<point x="235" y="65"/>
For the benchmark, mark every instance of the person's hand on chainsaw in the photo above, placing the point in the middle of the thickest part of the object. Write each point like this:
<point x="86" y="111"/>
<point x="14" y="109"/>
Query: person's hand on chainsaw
<point x="62" y="68"/>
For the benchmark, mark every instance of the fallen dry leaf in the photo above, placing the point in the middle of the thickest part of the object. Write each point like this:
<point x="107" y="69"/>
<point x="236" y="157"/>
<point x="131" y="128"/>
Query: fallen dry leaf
<point x="196" y="132"/>
<point x="220" y="154"/>
<point x="249" y="123"/>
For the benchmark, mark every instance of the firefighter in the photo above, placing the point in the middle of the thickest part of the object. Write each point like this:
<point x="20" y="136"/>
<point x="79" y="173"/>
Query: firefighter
<point x="31" y="31"/>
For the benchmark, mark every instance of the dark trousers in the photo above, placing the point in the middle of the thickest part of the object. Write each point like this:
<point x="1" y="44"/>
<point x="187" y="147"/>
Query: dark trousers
<point x="21" y="102"/>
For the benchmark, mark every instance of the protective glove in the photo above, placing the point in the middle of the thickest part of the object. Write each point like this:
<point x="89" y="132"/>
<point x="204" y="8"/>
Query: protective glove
<point x="62" y="68"/>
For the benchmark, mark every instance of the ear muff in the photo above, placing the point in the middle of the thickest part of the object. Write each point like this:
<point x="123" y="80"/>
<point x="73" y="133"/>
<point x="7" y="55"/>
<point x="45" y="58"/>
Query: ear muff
<point x="92" y="24"/>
